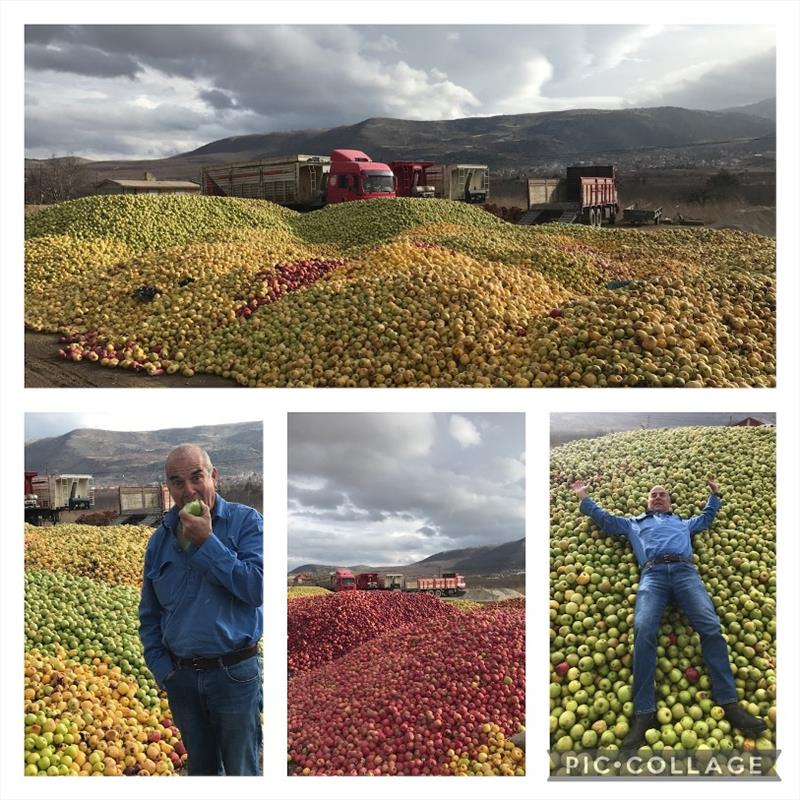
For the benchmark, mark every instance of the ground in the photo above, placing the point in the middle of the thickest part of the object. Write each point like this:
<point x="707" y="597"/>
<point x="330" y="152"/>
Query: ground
<point x="44" y="368"/>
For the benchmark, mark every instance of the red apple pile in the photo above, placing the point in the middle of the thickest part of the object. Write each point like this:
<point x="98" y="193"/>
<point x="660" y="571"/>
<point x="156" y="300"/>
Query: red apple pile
<point x="322" y="629"/>
<point x="412" y="701"/>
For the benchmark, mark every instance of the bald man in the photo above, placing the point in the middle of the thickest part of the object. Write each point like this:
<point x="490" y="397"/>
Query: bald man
<point x="201" y="618"/>
<point x="662" y="544"/>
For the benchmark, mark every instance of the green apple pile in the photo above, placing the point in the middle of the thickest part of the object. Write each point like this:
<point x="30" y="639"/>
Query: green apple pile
<point x="397" y="292"/>
<point x="594" y="579"/>
<point x="91" y="704"/>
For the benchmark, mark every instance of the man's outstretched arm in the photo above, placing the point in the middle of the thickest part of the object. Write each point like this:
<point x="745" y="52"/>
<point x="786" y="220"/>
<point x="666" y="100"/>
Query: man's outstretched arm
<point x="608" y="523"/>
<point x="706" y="516"/>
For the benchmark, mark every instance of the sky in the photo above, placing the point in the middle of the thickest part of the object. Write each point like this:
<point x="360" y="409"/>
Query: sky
<point x="392" y="489"/>
<point x="150" y="91"/>
<point x="40" y="425"/>
<point x="567" y="426"/>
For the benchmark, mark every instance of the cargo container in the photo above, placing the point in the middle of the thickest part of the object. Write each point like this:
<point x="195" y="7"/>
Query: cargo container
<point x="411" y="177"/>
<point x="143" y="505"/>
<point x="302" y="182"/>
<point x="467" y="182"/>
<point x="63" y="492"/>
<point x="588" y="195"/>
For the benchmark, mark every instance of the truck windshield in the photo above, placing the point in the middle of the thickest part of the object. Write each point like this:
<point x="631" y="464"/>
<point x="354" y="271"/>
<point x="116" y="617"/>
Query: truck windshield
<point x="378" y="182"/>
<point x="348" y="581"/>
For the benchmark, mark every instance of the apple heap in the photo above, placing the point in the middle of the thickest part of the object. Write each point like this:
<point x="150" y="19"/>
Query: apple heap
<point x="111" y="554"/>
<point x="505" y="605"/>
<point x="422" y="699"/>
<point x="432" y="294"/>
<point x="321" y="629"/>
<point x="594" y="579"/>
<point x="82" y="721"/>
<point x="298" y="592"/>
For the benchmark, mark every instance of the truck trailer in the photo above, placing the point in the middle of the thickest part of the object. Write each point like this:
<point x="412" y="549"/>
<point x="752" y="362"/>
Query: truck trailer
<point x="302" y="182"/>
<point x="46" y="496"/>
<point x="588" y="195"/>
<point x="143" y="505"/>
<point x="412" y="178"/>
<point x="467" y="182"/>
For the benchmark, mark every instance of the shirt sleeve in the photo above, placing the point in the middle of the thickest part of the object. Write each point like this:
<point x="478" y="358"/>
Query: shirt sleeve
<point x="706" y="517"/>
<point x="240" y="572"/>
<point x="608" y="523"/>
<point x="156" y="656"/>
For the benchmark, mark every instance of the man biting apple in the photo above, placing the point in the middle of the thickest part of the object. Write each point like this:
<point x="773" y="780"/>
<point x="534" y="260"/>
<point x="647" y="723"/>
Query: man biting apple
<point x="201" y="617"/>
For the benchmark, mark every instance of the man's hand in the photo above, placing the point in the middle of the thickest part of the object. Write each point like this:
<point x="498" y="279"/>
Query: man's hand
<point x="580" y="488"/>
<point x="196" y="529"/>
<point x="713" y="485"/>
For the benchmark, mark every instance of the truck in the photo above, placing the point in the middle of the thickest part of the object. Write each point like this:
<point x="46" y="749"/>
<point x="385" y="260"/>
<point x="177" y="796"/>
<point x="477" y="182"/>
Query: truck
<point x="411" y="177"/>
<point x="467" y="182"/>
<point x="448" y="584"/>
<point x="342" y="580"/>
<point x="588" y="195"/>
<point x="302" y="182"/>
<point x="46" y="496"/>
<point x="366" y="581"/>
<point x="143" y="505"/>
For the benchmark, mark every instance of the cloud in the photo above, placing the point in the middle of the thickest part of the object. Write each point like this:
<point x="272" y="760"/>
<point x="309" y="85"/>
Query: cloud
<point x="463" y="431"/>
<point x="217" y="99"/>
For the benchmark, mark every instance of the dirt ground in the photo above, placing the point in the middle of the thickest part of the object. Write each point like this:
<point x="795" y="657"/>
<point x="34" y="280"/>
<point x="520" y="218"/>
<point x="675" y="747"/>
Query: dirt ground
<point x="44" y="369"/>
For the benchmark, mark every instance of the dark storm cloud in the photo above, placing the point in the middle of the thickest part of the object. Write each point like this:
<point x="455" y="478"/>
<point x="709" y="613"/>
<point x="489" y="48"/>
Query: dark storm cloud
<point x="217" y="99"/>
<point x="426" y="530"/>
<point x="80" y="60"/>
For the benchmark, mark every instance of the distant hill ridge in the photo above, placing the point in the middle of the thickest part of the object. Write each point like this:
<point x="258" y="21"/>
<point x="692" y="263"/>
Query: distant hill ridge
<point x="504" y="141"/>
<point x="114" y="457"/>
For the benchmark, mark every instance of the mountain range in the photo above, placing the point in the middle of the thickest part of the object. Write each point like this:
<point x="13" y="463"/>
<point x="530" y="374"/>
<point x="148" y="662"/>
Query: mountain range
<point x="508" y="557"/>
<point x="503" y="142"/>
<point x="123" y="457"/>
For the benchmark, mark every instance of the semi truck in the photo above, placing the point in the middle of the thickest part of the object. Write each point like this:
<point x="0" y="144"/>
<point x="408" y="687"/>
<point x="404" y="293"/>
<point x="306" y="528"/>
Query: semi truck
<point x="588" y="195"/>
<point x="467" y="182"/>
<point x="411" y="177"/>
<point x="302" y="182"/>
<point x="46" y="496"/>
<point x="143" y="505"/>
<point x="342" y="581"/>
<point x="448" y="584"/>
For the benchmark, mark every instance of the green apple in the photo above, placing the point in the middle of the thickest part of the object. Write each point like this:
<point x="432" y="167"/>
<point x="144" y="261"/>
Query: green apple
<point x="194" y="508"/>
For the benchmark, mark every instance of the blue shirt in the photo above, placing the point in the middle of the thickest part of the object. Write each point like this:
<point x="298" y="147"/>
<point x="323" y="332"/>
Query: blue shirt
<point x="205" y="601"/>
<point x="654" y="533"/>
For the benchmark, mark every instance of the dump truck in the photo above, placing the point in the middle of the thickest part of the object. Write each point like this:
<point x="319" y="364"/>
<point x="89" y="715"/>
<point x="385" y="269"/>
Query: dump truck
<point x="588" y="195"/>
<point x="449" y="585"/>
<point x="367" y="581"/>
<point x="342" y="580"/>
<point x="467" y="182"/>
<point x="302" y="182"/>
<point x="46" y="496"/>
<point x="411" y="177"/>
<point x="143" y="505"/>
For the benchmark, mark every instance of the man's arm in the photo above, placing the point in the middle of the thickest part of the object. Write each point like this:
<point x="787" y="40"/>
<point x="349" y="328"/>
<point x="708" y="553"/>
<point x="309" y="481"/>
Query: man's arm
<point x="156" y="655"/>
<point x="706" y="517"/>
<point x="608" y="523"/>
<point x="241" y="572"/>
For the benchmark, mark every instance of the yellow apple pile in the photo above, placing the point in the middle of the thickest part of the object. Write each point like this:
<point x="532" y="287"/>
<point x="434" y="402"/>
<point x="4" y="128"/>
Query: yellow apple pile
<point x="397" y="292"/>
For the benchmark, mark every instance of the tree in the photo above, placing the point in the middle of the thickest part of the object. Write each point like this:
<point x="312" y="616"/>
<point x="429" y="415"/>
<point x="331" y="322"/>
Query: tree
<point x="57" y="179"/>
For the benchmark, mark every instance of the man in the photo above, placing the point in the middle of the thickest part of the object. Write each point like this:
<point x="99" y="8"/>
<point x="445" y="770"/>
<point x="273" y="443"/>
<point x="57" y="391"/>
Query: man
<point x="201" y="617"/>
<point x="662" y="544"/>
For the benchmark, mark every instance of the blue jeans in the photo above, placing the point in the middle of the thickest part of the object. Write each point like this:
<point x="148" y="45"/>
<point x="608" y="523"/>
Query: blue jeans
<point x="680" y="584"/>
<point x="217" y="712"/>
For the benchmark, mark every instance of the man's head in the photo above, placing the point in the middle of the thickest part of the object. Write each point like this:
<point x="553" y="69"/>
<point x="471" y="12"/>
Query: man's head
<point x="190" y="475"/>
<point x="659" y="500"/>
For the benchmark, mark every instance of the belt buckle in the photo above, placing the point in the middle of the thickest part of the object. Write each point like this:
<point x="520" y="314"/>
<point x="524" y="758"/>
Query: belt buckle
<point x="195" y="662"/>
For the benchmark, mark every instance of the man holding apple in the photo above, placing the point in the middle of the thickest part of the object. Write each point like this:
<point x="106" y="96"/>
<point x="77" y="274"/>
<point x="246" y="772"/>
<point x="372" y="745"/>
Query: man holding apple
<point x="662" y="544"/>
<point x="201" y="617"/>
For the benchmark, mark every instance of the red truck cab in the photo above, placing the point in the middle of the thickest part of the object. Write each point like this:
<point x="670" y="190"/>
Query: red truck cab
<point x="355" y="176"/>
<point x="343" y="581"/>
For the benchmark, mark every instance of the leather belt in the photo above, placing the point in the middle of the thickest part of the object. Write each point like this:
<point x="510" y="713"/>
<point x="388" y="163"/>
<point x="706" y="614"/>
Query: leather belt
<point x="220" y="661"/>
<point x="669" y="558"/>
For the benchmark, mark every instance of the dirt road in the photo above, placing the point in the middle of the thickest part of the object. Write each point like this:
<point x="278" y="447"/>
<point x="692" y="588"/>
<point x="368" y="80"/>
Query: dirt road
<point x="44" y="369"/>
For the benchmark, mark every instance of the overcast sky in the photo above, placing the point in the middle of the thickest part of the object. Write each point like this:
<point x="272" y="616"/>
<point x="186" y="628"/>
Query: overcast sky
<point x="391" y="489"/>
<point x="41" y="425"/>
<point x="131" y="91"/>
